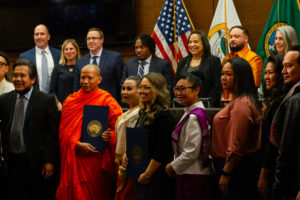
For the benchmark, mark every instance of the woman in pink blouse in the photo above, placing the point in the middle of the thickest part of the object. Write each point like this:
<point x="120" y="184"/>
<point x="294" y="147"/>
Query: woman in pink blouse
<point x="236" y="134"/>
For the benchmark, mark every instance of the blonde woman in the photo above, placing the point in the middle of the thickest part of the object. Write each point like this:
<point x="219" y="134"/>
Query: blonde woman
<point x="154" y="116"/>
<point x="61" y="84"/>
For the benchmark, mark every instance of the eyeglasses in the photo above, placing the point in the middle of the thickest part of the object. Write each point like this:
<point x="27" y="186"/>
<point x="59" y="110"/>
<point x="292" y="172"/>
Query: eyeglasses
<point x="145" y="88"/>
<point x="2" y="64"/>
<point x="181" y="89"/>
<point x="92" y="38"/>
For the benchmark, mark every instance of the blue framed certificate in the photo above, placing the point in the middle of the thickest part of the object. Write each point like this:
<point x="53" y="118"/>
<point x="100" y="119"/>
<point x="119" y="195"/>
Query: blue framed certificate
<point x="136" y="151"/>
<point x="94" y="122"/>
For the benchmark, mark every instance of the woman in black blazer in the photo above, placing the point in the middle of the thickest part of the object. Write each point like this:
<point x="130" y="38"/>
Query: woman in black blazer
<point x="200" y="59"/>
<point x="61" y="84"/>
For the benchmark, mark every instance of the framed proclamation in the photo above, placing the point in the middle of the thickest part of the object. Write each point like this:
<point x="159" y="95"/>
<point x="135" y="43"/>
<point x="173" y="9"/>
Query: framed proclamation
<point x="94" y="123"/>
<point x="136" y="151"/>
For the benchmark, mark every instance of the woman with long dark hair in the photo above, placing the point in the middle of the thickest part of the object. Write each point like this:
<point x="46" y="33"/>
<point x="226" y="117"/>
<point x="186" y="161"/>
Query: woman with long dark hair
<point x="236" y="134"/>
<point x="274" y="95"/>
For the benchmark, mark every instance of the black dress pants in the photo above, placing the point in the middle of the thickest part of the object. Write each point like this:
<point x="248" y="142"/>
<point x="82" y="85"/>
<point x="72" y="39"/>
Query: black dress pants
<point x="26" y="183"/>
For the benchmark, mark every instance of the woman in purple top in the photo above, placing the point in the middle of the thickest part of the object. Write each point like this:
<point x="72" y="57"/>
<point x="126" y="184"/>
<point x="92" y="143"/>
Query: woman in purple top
<point x="190" y="141"/>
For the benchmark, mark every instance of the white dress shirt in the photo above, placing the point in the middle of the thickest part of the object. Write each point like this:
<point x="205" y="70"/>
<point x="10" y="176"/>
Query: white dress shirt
<point x="189" y="145"/>
<point x="98" y="58"/>
<point x="147" y="65"/>
<point x="50" y="62"/>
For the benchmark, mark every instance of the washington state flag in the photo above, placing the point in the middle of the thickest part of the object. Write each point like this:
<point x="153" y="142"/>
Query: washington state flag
<point x="284" y="12"/>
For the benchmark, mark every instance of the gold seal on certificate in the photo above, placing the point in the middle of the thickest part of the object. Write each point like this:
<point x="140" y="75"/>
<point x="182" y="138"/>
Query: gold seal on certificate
<point x="137" y="154"/>
<point x="94" y="128"/>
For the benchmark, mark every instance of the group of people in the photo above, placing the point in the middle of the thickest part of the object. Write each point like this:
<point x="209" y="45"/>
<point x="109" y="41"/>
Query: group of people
<point x="250" y="150"/>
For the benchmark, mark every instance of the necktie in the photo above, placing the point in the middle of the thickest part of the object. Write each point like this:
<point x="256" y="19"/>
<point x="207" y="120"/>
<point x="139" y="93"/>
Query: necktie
<point x="95" y="60"/>
<point x="45" y="79"/>
<point x="15" y="138"/>
<point x="141" y="69"/>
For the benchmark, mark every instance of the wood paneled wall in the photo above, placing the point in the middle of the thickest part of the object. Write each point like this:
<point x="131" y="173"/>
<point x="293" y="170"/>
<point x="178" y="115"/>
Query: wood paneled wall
<point x="253" y="14"/>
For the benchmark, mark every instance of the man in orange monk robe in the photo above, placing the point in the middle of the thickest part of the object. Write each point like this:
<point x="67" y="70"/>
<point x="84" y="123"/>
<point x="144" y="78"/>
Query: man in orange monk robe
<point x="86" y="174"/>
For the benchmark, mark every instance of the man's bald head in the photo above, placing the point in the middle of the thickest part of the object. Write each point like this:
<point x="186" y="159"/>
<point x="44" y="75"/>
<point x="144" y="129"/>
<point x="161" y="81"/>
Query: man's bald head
<point x="92" y="67"/>
<point x="90" y="78"/>
<point x="41" y="36"/>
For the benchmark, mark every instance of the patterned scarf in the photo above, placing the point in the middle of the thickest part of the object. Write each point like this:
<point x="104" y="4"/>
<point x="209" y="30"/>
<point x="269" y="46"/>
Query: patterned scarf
<point x="204" y="124"/>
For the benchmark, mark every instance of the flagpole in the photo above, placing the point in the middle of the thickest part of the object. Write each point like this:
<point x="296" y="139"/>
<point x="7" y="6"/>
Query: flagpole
<point x="175" y="36"/>
<point x="226" y="29"/>
<point x="278" y="13"/>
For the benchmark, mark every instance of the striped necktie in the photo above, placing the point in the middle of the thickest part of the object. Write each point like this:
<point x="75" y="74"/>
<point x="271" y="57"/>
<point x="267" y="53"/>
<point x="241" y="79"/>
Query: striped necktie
<point x="141" y="68"/>
<point x="95" y="60"/>
<point x="45" y="79"/>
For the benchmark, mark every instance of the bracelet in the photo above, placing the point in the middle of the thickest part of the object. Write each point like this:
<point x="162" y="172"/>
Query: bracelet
<point x="146" y="176"/>
<point x="121" y="173"/>
<point x="122" y="168"/>
<point x="224" y="173"/>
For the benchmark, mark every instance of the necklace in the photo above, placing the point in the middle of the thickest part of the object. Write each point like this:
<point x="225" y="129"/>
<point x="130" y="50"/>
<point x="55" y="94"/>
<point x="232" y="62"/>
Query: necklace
<point x="196" y="60"/>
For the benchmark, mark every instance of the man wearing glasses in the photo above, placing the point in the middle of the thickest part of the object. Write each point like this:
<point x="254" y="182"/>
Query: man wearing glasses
<point x="5" y="86"/>
<point x="110" y="63"/>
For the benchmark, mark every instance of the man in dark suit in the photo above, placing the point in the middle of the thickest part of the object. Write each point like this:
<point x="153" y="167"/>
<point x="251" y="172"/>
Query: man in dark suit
<point x="29" y="127"/>
<point x="43" y="56"/>
<point x="110" y="62"/>
<point x="146" y="61"/>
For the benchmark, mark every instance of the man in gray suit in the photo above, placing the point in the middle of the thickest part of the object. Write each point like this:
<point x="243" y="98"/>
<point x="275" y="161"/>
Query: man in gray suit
<point x="145" y="61"/>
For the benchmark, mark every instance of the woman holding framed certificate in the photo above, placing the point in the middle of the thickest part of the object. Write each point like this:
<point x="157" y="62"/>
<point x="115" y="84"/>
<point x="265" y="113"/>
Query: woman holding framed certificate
<point x="154" y="116"/>
<point x="130" y="96"/>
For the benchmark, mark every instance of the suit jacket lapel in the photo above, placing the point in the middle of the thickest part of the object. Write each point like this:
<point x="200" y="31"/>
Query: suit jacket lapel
<point x="31" y="103"/>
<point x="136" y="64"/>
<point x="103" y="58"/>
<point x="54" y="57"/>
<point x="13" y="99"/>
<point x="33" y="56"/>
<point x="152" y="64"/>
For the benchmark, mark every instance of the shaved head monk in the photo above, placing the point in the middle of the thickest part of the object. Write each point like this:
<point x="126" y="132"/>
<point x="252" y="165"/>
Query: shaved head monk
<point x="86" y="173"/>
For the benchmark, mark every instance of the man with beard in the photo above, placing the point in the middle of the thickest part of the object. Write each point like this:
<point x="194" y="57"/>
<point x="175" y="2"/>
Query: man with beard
<point x="285" y="131"/>
<point x="29" y="127"/>
<point x="145" y="61"/>
<point x="86" y="173"/>
<point x="238" y="42"/>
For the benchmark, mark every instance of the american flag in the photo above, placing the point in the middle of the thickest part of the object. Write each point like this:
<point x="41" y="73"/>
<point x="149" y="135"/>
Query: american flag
<point x="170" y="39"/>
